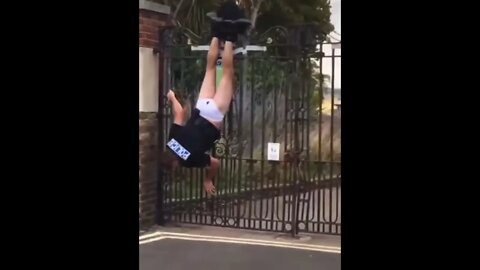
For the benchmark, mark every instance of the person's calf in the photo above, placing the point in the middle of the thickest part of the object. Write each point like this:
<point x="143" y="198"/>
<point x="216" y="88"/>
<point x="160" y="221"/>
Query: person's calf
<point x="213" y="51"/>
<point x="227" y="58"/>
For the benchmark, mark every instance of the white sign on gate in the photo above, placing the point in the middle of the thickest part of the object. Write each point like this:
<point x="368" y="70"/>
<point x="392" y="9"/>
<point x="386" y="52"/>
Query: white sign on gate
<point x="273" y="151"/>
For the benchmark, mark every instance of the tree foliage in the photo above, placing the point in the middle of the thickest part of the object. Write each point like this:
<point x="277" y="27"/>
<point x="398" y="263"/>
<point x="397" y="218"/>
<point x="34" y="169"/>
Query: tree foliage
<point x="263" y="13"/>
<point x="191" y="14"/>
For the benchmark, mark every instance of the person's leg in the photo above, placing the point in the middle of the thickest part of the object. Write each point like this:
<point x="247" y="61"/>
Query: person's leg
<point x="224" y="93"/>
<point x="208" y="85"/>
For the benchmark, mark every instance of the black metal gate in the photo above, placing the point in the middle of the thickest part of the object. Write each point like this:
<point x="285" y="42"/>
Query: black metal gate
<point x="282" y="96"/>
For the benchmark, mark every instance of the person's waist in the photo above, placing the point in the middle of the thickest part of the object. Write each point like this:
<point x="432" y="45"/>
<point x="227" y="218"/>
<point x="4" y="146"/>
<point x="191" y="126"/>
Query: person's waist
<point x="199" y="120"/>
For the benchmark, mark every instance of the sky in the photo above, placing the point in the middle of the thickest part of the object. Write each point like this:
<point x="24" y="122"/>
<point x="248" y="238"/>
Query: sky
<point x="335" y="19"/>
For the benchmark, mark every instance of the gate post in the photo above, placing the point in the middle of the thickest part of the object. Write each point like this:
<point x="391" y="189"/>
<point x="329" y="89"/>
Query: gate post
<point x="152" y="16"/>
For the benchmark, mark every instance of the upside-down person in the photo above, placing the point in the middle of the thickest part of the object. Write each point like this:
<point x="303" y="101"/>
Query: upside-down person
<point x="189" y="141"/>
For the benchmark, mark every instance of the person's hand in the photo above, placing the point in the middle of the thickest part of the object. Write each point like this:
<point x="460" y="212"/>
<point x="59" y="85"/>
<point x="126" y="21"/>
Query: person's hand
<point x="170" y="95"/>
<point x="209" y="187"/>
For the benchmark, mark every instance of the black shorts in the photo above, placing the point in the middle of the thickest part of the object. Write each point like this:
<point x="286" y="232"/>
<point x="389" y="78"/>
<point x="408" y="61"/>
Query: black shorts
<point x="210" y="133"/>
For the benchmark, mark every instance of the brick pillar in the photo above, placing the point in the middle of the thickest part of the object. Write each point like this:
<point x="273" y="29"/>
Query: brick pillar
<point x="152" y="16"/>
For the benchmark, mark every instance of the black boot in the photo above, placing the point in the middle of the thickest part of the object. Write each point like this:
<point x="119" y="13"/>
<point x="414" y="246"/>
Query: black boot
<point x="215" y="30"/>
<point x="228" y="21"/>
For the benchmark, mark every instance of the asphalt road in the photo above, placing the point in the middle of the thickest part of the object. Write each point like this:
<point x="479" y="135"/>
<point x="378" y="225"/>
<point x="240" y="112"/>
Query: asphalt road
<point x="174" y="254"/>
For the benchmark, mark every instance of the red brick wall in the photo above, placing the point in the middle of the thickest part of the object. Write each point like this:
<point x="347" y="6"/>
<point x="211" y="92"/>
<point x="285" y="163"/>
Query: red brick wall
<point x="150" y="22"/>
<point x="148" y="167"/>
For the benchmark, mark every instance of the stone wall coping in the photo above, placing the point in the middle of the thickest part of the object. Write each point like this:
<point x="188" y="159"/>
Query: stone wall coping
<point x="152" y="6"/>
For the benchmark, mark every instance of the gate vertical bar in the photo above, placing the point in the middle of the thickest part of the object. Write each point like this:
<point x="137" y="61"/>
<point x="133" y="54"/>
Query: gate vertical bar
<point x="319" y="158"/>
<point x="251" y="167"/>
<point x="332" y="93"/>
<point x="295" y="168"/>
<point x="164" y="56"/>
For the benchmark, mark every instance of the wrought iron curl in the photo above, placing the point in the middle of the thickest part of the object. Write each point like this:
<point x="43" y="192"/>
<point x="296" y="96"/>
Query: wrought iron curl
<point x="178" y="35"/>
<point x="276" y="35"/>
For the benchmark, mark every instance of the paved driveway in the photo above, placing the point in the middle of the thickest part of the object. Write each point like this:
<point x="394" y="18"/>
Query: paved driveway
<point x="177" y="254"/>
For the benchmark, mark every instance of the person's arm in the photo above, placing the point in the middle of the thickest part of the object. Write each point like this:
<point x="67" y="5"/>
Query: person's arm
<point x="213" y="168"/>
<point x="178" y="112"/>
<point x="211" y="173"/>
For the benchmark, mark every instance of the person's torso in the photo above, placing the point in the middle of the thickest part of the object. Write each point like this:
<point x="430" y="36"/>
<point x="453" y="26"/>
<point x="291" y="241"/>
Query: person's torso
<point x="196" y="137"/>
<point x="191" y="139"/>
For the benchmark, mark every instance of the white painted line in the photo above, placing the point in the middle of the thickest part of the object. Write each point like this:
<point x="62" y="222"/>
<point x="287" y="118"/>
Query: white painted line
<point x="150" y="235"/>
<point x="285" y="245"/>
<point x="246" y="240"/>
<point x="152" y="240"/>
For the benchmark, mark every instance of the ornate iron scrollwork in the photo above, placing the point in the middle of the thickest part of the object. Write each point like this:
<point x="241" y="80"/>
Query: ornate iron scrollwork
<point x="273" y="36"/>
